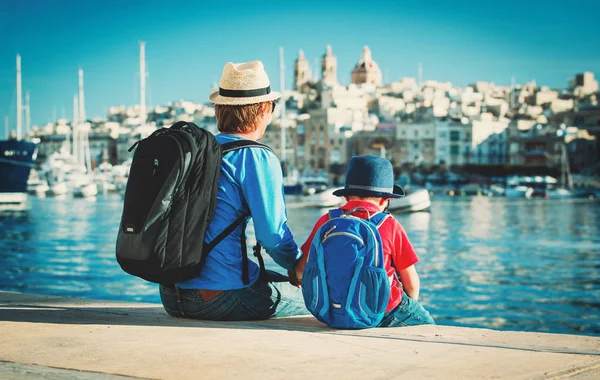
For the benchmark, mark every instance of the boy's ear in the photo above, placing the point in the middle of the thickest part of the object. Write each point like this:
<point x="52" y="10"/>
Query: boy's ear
<point x="383" y="201"/>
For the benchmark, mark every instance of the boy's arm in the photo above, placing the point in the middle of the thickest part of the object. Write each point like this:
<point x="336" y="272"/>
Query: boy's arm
<point x="306" y="248"/>
<point x="410" y="282"/>
<point x="404" y="259"/>
<point x="262" y="184"/>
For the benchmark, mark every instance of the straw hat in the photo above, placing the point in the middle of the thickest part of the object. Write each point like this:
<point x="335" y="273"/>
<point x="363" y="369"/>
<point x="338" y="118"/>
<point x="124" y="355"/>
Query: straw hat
<point x="244" y="83"/>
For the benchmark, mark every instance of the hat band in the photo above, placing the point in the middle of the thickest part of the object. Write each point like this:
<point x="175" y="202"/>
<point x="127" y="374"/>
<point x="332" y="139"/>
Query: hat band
<point x="244" y="93"/>
<point x="371" y="188"/>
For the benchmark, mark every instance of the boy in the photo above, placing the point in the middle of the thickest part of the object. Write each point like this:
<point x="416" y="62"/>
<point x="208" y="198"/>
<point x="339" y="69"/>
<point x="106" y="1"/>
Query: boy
<point x="369" y="186"/>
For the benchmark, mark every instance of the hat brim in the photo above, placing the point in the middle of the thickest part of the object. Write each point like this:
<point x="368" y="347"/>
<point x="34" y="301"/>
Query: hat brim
<point x="398" y="193"/>
<point x="215" y="98"/>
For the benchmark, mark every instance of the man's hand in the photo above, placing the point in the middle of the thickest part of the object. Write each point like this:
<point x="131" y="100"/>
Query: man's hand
<point x="294" y="278"/>
<point x="296" y="273"/>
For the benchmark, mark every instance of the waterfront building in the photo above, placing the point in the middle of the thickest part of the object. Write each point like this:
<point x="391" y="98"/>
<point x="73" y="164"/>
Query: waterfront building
<point x="583" y="84"/>
<point x="489" y="139"/>
<point x="416" y="141"/>
<point x="380" y="142"/>
<point x="454" y="141"/>
<point x="325" y="132"/>
<point x="545" y="96"/>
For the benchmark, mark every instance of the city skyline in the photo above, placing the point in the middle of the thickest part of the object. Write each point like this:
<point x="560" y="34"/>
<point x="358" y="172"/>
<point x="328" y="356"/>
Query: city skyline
<point x="187" y="46"/>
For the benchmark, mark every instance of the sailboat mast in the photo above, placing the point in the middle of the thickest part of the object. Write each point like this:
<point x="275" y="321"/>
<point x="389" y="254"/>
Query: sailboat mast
<point x="143" y="115"/>
<point x="81" y="99"/>
<point x="566" y="178"/>
<point x="282" y="83"/>
<point x="27" y="114"/>
<point x="84" y="149"/>
<point x="75" y="128"/>
<point x="19" y="99"/>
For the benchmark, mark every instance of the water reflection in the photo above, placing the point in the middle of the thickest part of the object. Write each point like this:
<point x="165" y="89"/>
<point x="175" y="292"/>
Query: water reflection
<point x="488" y="262"/>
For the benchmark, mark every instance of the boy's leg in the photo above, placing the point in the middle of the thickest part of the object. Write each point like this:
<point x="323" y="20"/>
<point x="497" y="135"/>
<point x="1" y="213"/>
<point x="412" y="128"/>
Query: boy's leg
<point x="408" y="313"/>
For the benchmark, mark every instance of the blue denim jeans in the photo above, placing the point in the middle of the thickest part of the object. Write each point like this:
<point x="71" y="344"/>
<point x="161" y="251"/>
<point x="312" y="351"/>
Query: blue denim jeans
<point x="409" y="312"/>
<point x="272" y="297"/>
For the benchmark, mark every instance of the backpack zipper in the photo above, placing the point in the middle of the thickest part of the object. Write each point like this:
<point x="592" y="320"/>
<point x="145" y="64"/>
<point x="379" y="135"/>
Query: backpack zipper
<point x="181" y="163"/>
<point x="355" y="237"/>
<point x="155" y="165"/>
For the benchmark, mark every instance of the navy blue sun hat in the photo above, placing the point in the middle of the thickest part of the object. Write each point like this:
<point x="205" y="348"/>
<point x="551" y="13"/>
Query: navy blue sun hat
<point x="370" y="176"/>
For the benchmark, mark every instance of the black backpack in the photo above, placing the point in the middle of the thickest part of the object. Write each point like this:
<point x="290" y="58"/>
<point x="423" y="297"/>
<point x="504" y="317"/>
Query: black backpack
<point x="169" y="202"/>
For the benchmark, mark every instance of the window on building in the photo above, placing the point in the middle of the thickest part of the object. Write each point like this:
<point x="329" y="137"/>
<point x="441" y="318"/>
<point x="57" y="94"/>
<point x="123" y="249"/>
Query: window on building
<point x="454" y="135"/>
<point x="454" y="150"/>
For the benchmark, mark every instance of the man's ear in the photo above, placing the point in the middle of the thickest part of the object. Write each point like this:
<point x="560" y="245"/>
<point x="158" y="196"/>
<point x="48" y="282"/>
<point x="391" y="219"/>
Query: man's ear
<point x="383" y="201"/>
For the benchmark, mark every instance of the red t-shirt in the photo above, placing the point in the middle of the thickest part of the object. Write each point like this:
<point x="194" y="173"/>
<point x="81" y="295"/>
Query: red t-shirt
<point x="398" y="252"/>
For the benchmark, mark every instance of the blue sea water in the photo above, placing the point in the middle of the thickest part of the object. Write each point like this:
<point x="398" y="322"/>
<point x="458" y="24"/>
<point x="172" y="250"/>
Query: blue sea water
<point x="530" y="265"/>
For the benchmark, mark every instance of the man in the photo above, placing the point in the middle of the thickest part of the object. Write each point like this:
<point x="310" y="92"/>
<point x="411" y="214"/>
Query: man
<point x="230" y="288"/>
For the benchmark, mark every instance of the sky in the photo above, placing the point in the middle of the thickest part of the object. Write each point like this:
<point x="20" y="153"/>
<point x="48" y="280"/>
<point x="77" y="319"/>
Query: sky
<point x="188" y="42"/>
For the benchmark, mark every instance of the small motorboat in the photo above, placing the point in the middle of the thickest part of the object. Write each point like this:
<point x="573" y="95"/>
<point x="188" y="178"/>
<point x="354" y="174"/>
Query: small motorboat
<point x="415" y="200"/>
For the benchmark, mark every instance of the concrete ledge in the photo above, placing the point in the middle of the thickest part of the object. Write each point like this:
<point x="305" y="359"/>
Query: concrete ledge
<point x="43" y="336"/>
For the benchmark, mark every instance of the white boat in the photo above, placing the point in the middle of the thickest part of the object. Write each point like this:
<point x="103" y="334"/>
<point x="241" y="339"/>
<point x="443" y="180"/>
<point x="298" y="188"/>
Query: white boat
<point x="323" y="199"/>
<point x="40" y="189"/>
<point x="58" y="188"/>
<point x="415" y="200"/>
<point x="518" y="187"/>
<point x="518" y="191"/>
<point x="86" y="190"/>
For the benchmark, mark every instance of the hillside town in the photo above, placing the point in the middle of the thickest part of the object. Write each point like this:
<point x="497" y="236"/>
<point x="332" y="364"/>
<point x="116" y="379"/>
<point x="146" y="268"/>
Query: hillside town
<point x="422" y="126"/>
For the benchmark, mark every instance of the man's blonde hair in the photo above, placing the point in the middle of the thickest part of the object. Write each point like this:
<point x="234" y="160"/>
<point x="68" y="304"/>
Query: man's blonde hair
<point x="238" y="119"/>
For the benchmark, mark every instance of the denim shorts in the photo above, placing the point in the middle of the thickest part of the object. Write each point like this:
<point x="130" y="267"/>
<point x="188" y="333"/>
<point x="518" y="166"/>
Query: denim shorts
<point x="272" y="297"/>
<point x="409" y="312"/>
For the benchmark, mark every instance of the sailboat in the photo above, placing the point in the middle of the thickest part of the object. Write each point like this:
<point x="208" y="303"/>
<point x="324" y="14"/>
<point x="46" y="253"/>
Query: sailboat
<point x="17" y="157"/>
<point x="83" y="183"/>
<point x="566" y="179"/>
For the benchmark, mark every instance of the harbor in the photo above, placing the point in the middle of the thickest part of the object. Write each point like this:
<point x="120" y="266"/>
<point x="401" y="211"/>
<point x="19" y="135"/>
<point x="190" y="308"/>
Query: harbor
<point x="488" y="113"/>
<point x="486" y="262"/>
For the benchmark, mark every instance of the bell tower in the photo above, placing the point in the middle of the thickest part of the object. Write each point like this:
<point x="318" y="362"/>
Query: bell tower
<point x="301" y="71"/>
<point x="329" y="68"/>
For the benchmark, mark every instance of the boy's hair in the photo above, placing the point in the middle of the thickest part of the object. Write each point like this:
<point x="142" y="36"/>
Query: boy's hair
<point x="373" y="199"/>
<point x="238" y="119"/>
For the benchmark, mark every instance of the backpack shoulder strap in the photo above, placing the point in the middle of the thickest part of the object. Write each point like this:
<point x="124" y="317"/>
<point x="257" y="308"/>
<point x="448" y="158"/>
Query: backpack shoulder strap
<point x="240" y="144"/>
<point x="380" y="218"/>
<point x="335" y="213"/>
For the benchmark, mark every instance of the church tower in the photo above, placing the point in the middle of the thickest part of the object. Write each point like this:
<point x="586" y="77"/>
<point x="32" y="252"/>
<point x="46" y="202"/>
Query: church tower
<point x="366" y="70"/>
<point x="329" y="68"/>
<point x="301" y="71"/>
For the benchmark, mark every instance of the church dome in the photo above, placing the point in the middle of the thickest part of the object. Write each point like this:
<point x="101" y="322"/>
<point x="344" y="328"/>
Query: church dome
<point x="366" y="70"/>
<point x="366" y="62"/>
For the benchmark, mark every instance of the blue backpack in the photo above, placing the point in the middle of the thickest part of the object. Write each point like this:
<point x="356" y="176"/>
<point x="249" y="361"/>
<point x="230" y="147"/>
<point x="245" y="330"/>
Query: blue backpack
<point x="345" y="284"/>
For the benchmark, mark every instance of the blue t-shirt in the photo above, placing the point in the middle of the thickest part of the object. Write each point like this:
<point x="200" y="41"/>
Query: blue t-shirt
<point x="250" y="182"/>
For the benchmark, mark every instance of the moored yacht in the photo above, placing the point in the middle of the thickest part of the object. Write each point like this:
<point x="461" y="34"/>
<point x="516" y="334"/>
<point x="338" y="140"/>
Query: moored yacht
<point x="16" y="158"/>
